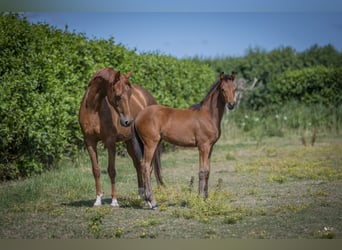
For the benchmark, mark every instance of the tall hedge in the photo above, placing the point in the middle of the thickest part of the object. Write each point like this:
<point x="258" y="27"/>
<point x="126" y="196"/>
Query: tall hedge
<point x="44" y="72"/>
<point x="314" y="85"/>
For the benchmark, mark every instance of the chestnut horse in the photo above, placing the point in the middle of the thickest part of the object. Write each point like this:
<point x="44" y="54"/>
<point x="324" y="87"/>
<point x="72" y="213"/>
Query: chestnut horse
<point x="101" y="117"/>
<point x="199" y="126"/>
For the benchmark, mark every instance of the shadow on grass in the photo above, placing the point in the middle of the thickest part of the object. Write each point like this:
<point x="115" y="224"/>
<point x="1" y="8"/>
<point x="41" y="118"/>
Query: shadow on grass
<point x="124" y="202"/>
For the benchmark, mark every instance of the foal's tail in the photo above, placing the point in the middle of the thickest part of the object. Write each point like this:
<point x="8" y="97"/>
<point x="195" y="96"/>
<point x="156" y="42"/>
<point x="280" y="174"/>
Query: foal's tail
<point x="138" y="147"/>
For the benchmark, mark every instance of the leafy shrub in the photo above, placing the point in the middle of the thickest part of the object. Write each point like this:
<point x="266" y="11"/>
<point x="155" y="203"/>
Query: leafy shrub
<point x="316" y="85"/>
<point x="44" y="73"/>
<point x="173" y="82"/>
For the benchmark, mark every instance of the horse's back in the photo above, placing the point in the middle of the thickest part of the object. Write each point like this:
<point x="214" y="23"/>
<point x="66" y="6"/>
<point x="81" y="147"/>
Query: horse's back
<point x="143" y="95"/>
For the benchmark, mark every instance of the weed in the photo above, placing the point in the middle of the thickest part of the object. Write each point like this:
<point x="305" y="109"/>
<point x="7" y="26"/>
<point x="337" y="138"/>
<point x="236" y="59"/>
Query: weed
<point x="262" y="234"/>
<point x="325" y="233"/>
<point x="96" y="220"/>
<point x="290" y="208"/>
<point x="280" y="179"/>
<point x="118" y="232"/>
<point x="210" y="233"/>
<point x="143" y="234"/>
<point x="234" y="218"/>
<point x="230" y="157"/>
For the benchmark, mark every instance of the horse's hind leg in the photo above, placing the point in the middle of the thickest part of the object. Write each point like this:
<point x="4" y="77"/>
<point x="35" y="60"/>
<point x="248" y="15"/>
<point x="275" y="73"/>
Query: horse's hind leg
<point x="111" y="147"/>
<point x="137" y="166"/>
<point x="91" y="147"/>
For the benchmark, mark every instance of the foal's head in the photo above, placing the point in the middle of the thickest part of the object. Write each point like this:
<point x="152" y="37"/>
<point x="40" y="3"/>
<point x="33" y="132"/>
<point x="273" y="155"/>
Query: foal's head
<point x="119" y="97"/>
<point x="227" y="88"/>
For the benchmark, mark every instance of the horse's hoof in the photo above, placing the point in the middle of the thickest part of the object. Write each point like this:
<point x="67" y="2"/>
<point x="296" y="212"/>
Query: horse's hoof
<point x="114" y="203"/>
<point x="98" y="201"/>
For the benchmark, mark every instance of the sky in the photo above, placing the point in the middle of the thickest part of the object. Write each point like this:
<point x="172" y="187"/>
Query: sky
<point x="205" y="30"/>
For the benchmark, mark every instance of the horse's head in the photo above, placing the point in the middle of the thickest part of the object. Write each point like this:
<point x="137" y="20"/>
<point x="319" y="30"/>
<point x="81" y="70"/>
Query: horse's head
<point x="227" y="88"/>
<point x="119" y="97"/>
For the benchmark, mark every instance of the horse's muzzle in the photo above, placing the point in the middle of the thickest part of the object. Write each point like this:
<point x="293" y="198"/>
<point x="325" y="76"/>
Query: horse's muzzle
<point x="125" y="122"/>
<point x="231" y="105"/>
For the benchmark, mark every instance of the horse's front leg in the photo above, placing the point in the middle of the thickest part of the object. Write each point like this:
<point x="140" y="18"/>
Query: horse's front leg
<point x="137" y="165"/>
<point x="111" y="147"/>
<point x="204" y="169"/>
<point x="91" y="148"/>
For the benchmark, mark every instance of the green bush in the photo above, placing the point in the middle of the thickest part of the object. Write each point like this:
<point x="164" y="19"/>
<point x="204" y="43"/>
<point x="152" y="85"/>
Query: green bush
<point x="173" y="82"/>
<point x="316" y="85"/>
<point x="309" y="85"/>
<point x="44" y="73"/>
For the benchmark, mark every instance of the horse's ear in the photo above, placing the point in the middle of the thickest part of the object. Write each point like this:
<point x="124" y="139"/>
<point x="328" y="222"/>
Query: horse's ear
<point x="232" y="76"/>
<point x="129" y="74"/>
<point x="222" y="76"/>
<point x="117" y="77"/>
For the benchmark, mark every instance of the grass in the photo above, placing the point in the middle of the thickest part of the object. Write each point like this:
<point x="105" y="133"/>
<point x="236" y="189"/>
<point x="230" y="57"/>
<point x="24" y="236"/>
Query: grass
<point x="275" y="189"/>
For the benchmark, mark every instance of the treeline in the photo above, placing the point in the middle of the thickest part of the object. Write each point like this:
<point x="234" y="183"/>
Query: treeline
<point x="44" y="72"/>
<point x="296" y="92"/>
<point x="277" y="68"/>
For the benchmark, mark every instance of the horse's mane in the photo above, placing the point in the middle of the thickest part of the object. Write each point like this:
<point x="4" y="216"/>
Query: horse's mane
<point x="212" y="89"/>
<point x="97" y="87"/>
<point x="107" y="74"/>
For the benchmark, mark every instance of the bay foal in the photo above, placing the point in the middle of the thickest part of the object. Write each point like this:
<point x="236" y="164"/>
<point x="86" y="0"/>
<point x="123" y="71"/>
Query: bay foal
<point x="199" y="126"/>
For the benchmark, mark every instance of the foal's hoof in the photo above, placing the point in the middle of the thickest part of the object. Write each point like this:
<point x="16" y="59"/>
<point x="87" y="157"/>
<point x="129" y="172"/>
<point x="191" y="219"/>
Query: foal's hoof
<point x="153" y="206"/>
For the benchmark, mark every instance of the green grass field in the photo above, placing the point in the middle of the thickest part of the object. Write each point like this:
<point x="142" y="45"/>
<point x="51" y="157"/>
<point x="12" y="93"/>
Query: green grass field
<point x="271" y="189"/>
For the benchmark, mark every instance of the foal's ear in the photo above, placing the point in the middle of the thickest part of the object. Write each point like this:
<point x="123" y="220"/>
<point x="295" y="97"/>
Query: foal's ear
<point x="222" y="76"/>
<point x="129" y="74"/>
<point x="232" y="76"/>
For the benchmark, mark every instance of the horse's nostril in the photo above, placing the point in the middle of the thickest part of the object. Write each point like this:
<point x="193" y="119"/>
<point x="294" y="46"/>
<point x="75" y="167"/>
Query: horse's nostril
<point x="126" y="123"/>
<point x="231" y="105"/>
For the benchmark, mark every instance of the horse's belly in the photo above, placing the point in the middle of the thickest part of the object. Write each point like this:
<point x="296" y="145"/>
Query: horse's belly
<point x="180" y="139"/>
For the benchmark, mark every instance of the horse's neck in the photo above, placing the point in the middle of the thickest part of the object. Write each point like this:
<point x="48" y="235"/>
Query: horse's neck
<point x="215" y="107"/>
<point x="95" y="93"/>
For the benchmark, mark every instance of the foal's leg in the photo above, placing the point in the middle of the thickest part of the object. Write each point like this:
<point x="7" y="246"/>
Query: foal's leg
<point x="149" y="151"/>
<point x="137" y="165"/>
<point x="111" y="147"/>
<point x="204" y="169"/>
<point x="91" y="147"/>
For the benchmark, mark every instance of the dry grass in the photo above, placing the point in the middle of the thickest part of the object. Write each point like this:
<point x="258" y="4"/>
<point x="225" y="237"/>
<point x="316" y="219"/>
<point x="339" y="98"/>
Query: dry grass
<point x="274" y="189"/>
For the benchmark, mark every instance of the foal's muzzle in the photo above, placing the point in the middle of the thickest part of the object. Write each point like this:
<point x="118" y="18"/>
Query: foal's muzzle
<point x="230" y="105"/>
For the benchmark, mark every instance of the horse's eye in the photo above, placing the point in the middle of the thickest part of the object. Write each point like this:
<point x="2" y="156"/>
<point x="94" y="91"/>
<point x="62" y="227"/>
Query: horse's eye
<point x="117" y="98"/>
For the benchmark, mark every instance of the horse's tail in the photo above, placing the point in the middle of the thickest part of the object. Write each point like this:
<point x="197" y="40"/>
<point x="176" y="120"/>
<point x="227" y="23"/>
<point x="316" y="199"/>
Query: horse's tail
<point x="138" y="147"/>
<point x="157" y="165"/>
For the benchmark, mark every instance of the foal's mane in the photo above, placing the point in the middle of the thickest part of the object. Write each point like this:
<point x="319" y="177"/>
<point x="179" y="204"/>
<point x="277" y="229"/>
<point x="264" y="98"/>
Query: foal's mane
<point x="211" y="91"/>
